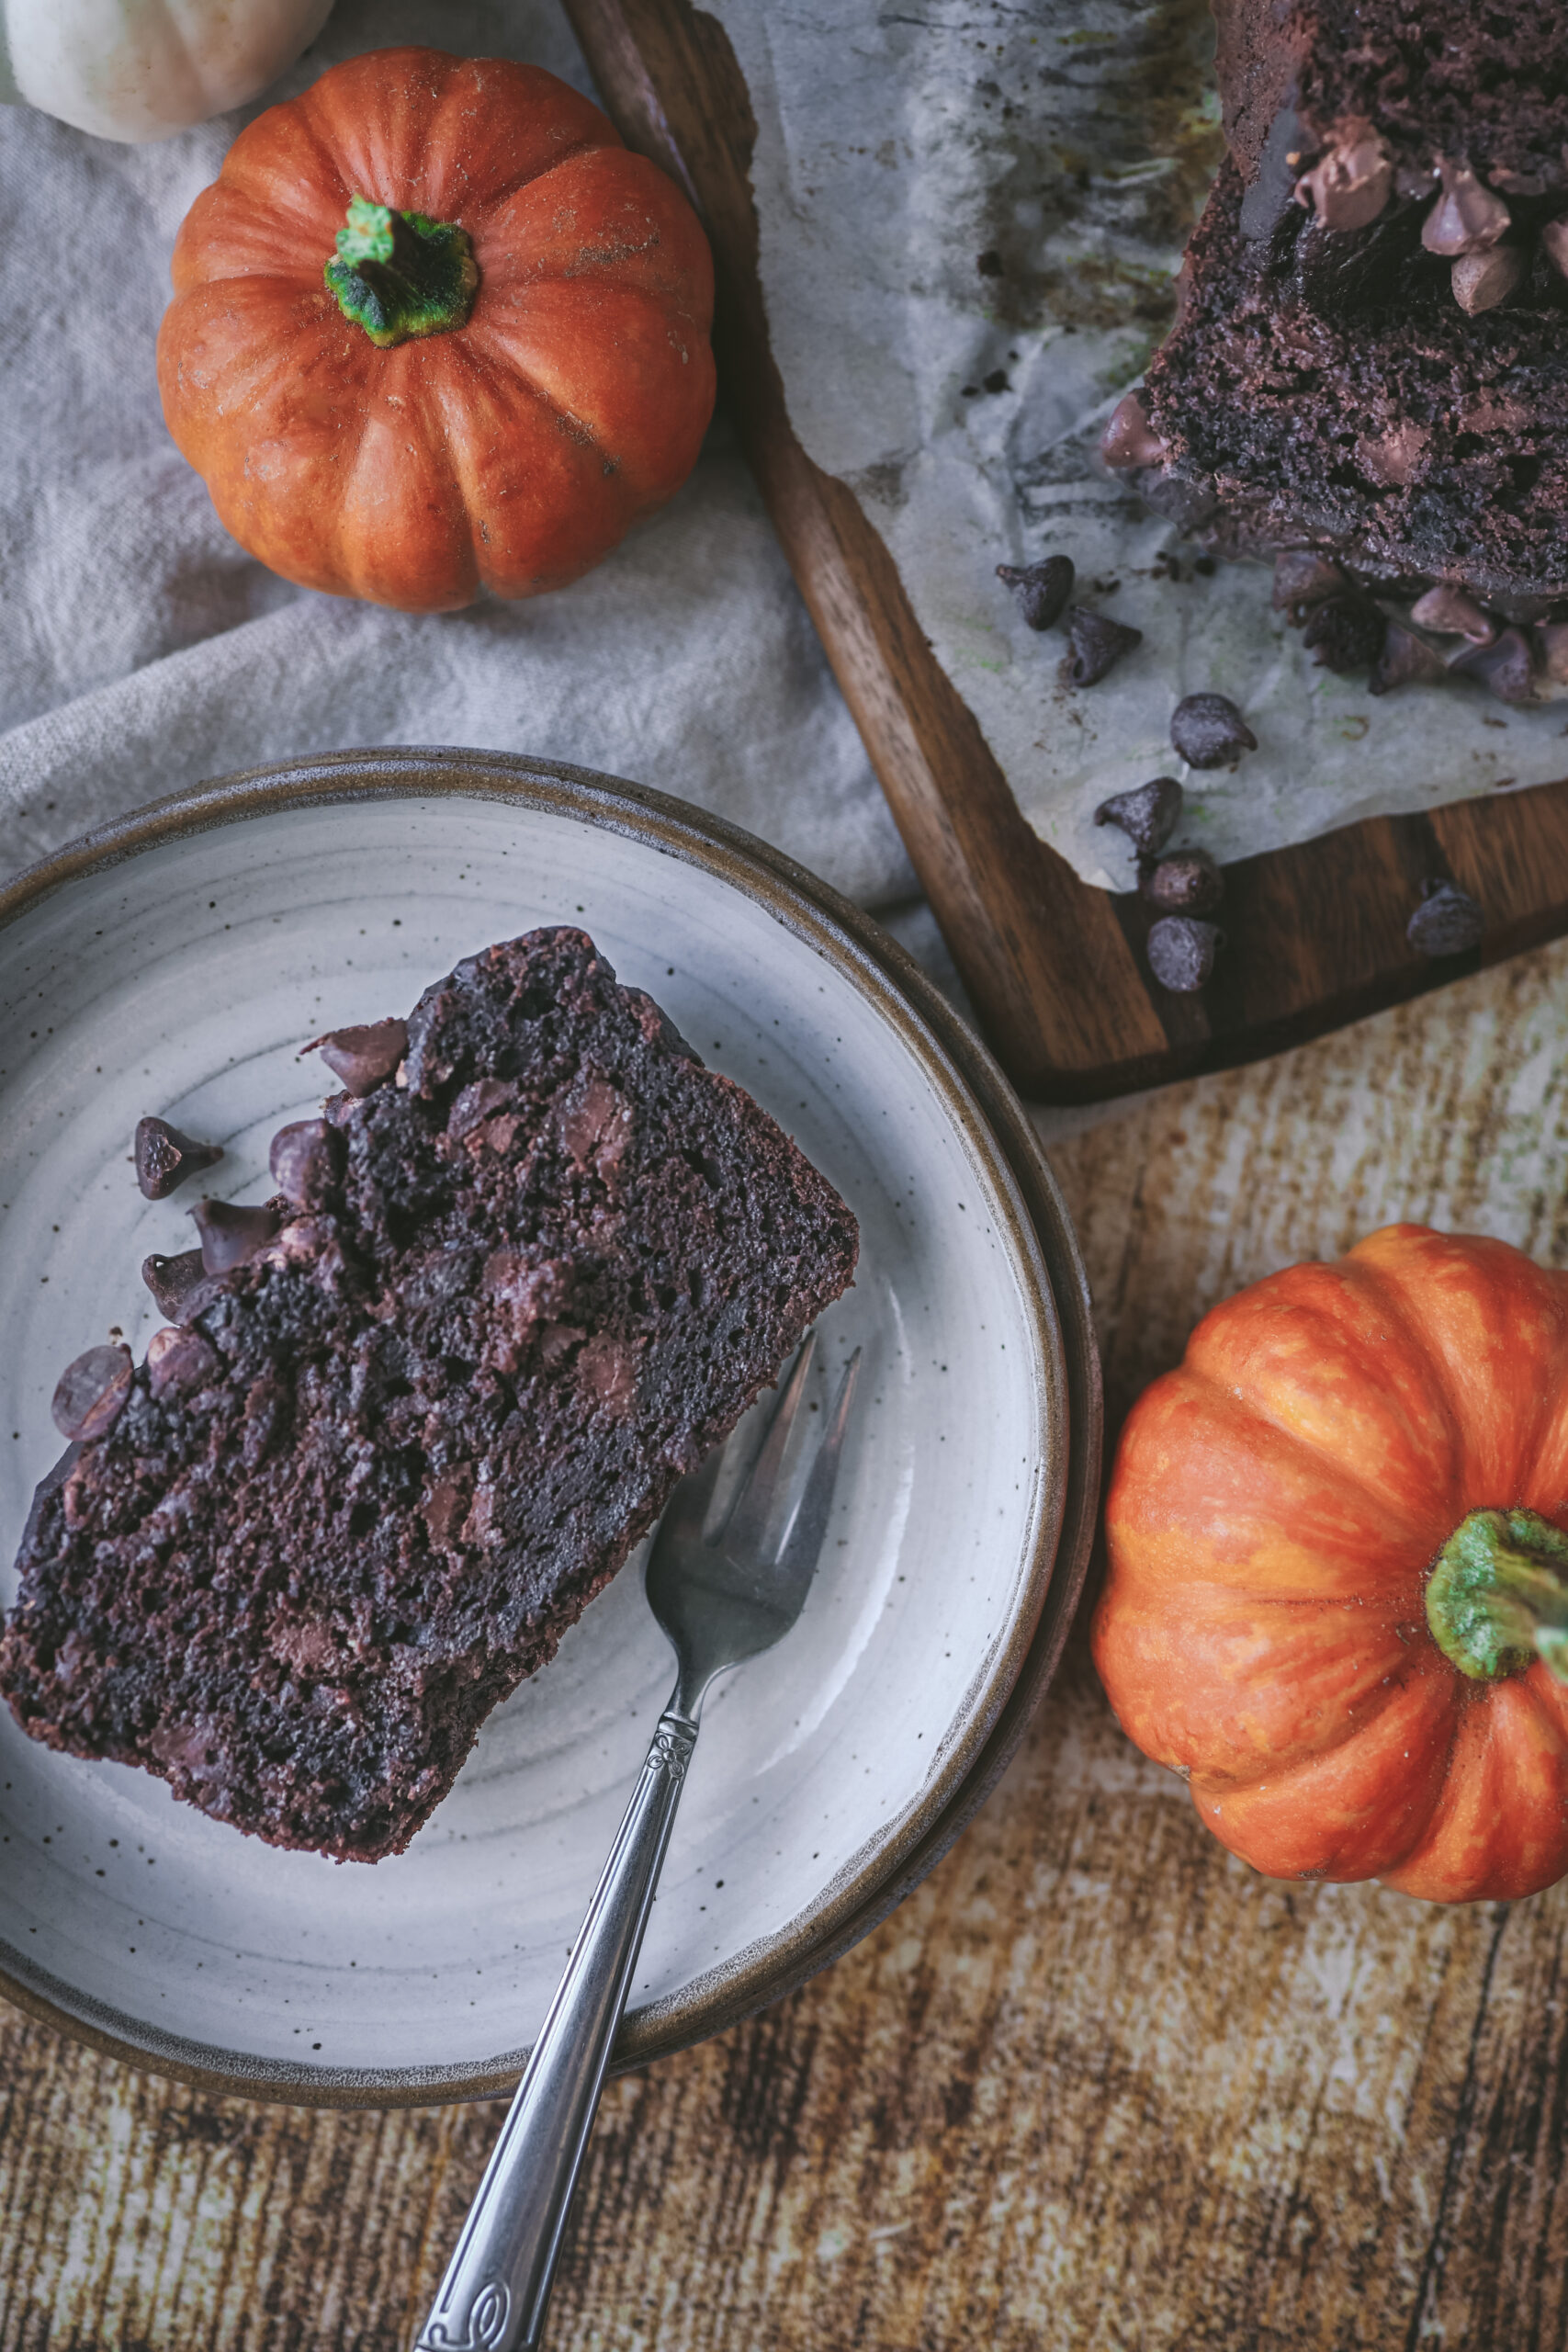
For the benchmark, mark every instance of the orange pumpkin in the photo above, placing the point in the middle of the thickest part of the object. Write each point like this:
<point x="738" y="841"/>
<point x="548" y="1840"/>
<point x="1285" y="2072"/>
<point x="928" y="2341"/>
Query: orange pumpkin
<point x="1338" y="1591"/>
<point x="435" y="330"/>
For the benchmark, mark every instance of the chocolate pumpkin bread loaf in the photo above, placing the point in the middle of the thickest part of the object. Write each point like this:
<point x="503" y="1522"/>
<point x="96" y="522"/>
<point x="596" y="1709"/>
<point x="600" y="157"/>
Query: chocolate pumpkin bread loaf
<point x="525" y="1272"/>
<point x="1370" y="360"/>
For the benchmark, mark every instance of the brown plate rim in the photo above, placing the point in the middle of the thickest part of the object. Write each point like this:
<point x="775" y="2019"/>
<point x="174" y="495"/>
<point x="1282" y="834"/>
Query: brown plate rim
<point x="982" y="1103"/>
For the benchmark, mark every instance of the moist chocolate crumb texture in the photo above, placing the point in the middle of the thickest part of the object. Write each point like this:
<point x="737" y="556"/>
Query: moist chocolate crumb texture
<point x="1370" y="363"/>
<point x="387" y="1455"/>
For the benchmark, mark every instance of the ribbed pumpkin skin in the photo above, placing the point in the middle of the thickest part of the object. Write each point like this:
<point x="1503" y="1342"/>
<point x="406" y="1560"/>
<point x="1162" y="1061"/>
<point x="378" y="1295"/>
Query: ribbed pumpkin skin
<point x="1275" y="1505"/>
<point x="509" y="453"/>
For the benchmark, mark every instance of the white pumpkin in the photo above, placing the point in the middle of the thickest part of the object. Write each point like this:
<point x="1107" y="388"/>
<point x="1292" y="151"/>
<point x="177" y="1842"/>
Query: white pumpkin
<point x="142" y="69"/>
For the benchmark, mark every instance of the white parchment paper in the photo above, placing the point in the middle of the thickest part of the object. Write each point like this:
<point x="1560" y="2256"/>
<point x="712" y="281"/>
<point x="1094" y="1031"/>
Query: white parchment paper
<point x="972" y="214"/>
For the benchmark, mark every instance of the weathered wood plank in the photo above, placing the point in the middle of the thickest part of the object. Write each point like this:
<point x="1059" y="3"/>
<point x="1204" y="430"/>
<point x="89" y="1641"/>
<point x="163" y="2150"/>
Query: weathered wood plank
<point x="1095" y="2085"/>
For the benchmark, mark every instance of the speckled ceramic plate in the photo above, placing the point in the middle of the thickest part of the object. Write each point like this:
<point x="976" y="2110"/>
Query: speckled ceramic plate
<point x="174" y="964"/>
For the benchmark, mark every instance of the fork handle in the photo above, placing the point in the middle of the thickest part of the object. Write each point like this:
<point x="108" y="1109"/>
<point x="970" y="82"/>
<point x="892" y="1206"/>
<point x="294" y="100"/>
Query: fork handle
<point x="497" y="2285"/>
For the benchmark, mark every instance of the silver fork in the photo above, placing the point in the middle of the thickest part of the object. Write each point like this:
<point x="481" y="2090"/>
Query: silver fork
<point x="722" y="1597"/>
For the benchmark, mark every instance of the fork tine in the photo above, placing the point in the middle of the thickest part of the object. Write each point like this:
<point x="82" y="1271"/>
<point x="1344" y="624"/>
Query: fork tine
<point x="753" y="1504"/>
<point x="808" y="1524"/>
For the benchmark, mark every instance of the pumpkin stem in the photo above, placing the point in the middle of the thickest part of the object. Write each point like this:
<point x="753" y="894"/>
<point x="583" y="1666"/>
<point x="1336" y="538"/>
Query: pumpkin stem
<point x="1497" y="1597"/>
<point x="397" y="274"/>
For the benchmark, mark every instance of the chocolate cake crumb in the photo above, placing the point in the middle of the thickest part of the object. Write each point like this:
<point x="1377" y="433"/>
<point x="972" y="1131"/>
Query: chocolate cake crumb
<point x="386" y="1459"/>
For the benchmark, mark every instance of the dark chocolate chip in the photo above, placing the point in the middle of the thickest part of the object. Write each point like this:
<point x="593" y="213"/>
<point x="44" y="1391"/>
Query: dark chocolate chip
<point x="1551" y="644"/>
<point x="1147" y="815"/>
<point x="1182" y="952"/>
<point x="1041" y="589"/>
<point x="1303" y="579"/>
<point x="305" y="1160"/>
<point x="1130" y="440"/>
<point x="1454" y="613"/>
<point x="1506" y="667"/>
<point x="1188" y="884"/>
<point x="1346" y="633"/>
<point x="1446" y="923"/>
<point x="1097" y="644"/>
<point x="1467" y="217"/>
<point x="989" y="262"/>
<point x="92" y="1393"/>
<point x="231" y="1235"/>
<point x="1209" y="732"/>
<point x="164" y="1157"/>
<point x="182" y="1361"/>
<point x="362" y="1058"/>
<point x="172" y="1279"/>
<point x="1407" y="660"/>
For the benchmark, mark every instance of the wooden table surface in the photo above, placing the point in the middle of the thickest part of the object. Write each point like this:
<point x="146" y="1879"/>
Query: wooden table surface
<point x="1096" y="2084"/>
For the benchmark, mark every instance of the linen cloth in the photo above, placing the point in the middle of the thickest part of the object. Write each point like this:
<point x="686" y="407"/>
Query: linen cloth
<point x="142" y="649"/>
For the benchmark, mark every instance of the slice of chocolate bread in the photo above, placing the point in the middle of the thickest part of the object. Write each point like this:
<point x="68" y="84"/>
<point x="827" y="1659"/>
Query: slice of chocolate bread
<point x="1387" y="429"/>
<point x="514" y="1286"/>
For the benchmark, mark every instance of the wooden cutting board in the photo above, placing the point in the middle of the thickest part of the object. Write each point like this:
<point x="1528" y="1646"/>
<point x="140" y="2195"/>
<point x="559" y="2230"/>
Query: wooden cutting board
<point x="1316" y="935"/>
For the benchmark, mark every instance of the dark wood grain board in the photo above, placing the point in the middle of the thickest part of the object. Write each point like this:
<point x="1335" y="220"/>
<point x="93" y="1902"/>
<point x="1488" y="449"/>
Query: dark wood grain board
<point x="1316" y="935"/>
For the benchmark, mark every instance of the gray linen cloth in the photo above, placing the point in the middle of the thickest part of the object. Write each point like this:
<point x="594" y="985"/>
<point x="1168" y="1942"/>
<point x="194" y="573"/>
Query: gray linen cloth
<point x="142" y="649"/>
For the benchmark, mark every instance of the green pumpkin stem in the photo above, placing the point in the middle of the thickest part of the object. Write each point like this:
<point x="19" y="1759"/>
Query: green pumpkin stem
<point x="1497" y="1598"/>
<point x="397" y="274"/>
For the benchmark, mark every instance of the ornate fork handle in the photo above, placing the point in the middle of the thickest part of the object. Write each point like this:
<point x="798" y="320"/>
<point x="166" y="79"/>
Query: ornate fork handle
<point x="497" y="2285"/>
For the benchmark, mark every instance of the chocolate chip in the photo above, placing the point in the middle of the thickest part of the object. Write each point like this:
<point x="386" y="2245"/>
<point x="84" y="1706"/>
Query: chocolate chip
<point x="1446" y="923"/>
<point x="181" y="1361"/>
<point x="1130" y="439"/>
<point x="989" y="262"/>
<point x="1188" y="884"/>
<point x="1209" y="732"/>
<point x="164" y="1157"/>
<point x="172" y="1279"/>
<point x="92" y="1393"/>
<point x="1182" y="952"/>
<point x="1098" y="645"/>
<point x="1407" y="660"/>
<point x="1346" y="634"/>
<point x="1466" y="219"/>
<point x="305" y="1159"/>
<point x="1147" y="815"/>
<point x="1302" y="579"/>
<point x="1454" y="613"/>
<point x="231" y="1235"/>
<point x="1352" y="184"/>
<point x="1553" y="645"/>
<point x="362" y="1058"/>
<point x="1041" y="589"/>
<point x="1506" y="667"/>
<point x="1484" y="281"/>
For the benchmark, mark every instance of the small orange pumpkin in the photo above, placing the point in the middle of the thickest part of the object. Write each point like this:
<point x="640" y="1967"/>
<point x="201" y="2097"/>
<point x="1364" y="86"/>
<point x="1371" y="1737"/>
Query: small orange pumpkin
<point x="436" y="329"/>
<point x="1338" y="1594"/>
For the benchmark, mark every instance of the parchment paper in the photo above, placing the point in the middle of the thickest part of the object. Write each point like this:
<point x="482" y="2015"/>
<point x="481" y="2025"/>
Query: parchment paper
<point x="972" y="214"/>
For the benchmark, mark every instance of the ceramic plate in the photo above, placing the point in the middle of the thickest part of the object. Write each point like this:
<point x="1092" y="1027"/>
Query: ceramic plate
<point x="175" y="965"/>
